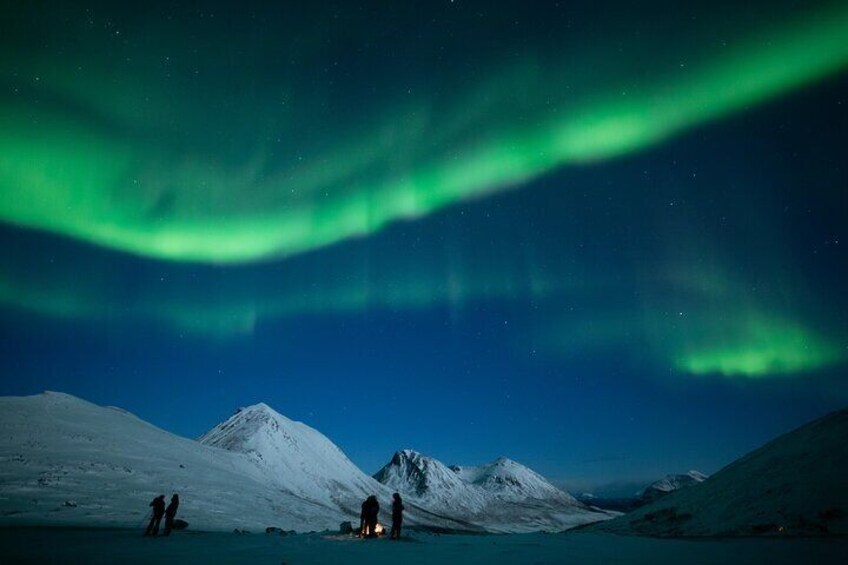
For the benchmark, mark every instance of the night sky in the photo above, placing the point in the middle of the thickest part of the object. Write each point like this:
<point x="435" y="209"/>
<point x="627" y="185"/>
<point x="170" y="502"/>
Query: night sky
<point x="607" y="240"/>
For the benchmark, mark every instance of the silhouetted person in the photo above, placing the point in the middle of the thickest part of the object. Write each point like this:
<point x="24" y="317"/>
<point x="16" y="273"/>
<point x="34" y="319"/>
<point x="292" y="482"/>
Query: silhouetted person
<point x="372" y="510"/>
<point x="170" y="512"/>
<point x="158" y="505"/>
<point x="397" y="516"/>
<point x="363" y="518"/>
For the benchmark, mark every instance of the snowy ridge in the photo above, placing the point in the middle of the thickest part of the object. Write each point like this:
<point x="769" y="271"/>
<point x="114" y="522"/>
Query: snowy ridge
<point x="294" y="457"/>
<point x="430" y="481"/>
<point x="793" y="485"/>
<point x="671" y="483"/>
<point x="512" y="481"/>
<point x="502" y="495"/>
<point x="674" y="482"/>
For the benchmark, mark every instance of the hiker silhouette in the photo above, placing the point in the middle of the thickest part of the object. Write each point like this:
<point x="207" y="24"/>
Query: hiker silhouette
<point x="397" y="516"/>
<point x="158" y="505"/>
<point x="370" y="511"/>
<point x="170" y="512"/>
<point x="362" y="518"/>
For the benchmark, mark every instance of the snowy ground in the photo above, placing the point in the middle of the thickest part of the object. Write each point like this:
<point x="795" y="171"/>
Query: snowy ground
<point x="44" y="545"/>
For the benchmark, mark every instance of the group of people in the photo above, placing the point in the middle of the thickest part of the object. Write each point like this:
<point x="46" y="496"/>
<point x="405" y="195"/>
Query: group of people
<point x="159" y="510"/>
<point x="368" y="517"/>
<point x="367" y="524"/>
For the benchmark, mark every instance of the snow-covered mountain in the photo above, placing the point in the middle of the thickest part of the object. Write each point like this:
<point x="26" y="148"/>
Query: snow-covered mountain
<point x="430" y="481"/>
<point x="501" y="496"/>
<point x="298" y="459"/>
<point x="671" y="483"/>
<point x="295" y="457"/>
<point x="793" y="485"/>
<point x="66" y="461"/>
<point x="510" y="481"/>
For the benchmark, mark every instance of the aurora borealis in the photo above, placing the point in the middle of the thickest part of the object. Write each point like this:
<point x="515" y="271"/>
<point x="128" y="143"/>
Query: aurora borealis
<point x="599" y="199"/>
<point x="71" y="177"/>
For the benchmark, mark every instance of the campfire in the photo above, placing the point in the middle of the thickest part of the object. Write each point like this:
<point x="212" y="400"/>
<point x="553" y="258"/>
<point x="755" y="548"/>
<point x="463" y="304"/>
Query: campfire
<point x="347" y="528"/>
<point x="379" y="530"/>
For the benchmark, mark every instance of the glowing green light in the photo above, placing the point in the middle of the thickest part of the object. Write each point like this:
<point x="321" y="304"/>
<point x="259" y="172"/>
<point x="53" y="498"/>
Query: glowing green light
<point x="162" y="200"/>
<point x="766" y="348"/>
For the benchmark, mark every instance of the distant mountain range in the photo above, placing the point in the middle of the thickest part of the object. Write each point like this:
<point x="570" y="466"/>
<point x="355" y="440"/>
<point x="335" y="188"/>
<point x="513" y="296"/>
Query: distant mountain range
<point x="646" y="495"/>
<point x="66" y="461"/>
<point x="503" y="495"/>
<point x="671" y="483"/>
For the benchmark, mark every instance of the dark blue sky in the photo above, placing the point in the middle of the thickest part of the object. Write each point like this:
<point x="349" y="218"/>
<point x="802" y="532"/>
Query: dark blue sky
<point x="660" y="309"/>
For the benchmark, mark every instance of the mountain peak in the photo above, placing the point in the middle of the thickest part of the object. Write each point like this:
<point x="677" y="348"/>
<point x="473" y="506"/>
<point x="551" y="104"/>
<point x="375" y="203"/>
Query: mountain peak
<point x="403" y="455"/>
<point x="304" y="459"/>
<point x="251" y="424"/>
<point x="671" y="483"/>
<point x="410" y="472"/>
<point x="697" y="475"/>
<point x="502" y="480"/>
<point x="510" y="480"/>
<point x="259" y="408"/>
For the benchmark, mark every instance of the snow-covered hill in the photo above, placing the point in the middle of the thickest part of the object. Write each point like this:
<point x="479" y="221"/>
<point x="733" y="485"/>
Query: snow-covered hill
<point x="295" y="457"/>
<point x="67" y="461"/>
<point x="671" y="483"/>
<point x="794" y="485"/>
<point x="501" y="496"/>
<point x="510" y="481"/>
<point x="430" y="481"/>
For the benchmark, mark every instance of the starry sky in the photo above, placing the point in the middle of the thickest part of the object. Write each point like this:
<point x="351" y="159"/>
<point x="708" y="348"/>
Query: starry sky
<point x="605" y="239"/>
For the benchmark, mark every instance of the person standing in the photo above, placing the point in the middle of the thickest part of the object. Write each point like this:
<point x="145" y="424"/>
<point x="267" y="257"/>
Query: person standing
<point x="371" y="516"/>
<point x="158" y="505"/>
<point x="363" y="518"/>
<point x="170" y="512"/>
<point x="397" y="516"/>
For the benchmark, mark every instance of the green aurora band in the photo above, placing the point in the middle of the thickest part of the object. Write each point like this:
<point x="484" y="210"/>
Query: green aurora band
<point x="767" y="347"/>
<point x="64" y="174"/>
<point x="84" y="155"/>
<point x="726" y="331"/>
<point x="719" y="335"/>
